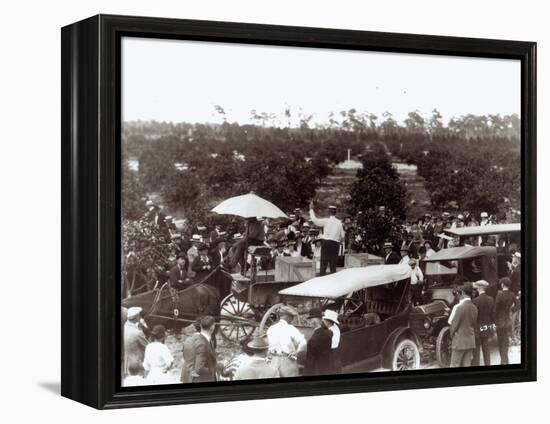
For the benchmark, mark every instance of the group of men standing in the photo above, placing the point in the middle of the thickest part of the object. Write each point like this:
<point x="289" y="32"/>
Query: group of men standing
<point x="474" y="321"/>
<point x="278" y="353"/>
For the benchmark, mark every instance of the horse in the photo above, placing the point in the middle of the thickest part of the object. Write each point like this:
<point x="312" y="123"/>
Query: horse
<point x="189" y="303"/>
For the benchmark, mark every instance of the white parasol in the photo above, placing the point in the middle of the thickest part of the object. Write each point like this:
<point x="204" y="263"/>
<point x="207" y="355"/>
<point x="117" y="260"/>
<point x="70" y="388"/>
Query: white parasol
<point x="249" y="206"/>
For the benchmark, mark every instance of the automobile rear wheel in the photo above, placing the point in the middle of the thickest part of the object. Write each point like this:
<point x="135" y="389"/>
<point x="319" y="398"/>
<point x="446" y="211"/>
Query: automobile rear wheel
<point x="443" y="348"/>
<point x="406" y="356"/>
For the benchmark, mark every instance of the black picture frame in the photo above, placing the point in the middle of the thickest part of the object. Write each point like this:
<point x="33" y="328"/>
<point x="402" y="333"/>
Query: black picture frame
<point x="91" y="246"/>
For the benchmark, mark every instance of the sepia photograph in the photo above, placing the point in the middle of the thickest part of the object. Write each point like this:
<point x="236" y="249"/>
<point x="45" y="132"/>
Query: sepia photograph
<point x="305" y="212"/>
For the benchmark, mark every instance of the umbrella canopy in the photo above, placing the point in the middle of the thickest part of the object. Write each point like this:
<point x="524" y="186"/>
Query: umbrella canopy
<point x="249" y="206"/>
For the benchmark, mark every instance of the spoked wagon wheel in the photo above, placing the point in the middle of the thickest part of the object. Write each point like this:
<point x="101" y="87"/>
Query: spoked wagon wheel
<point x="236" y="319"/>
<point x="269" y="318"/>
<point x="443" y="347"/>
<point x="406" y="356"/>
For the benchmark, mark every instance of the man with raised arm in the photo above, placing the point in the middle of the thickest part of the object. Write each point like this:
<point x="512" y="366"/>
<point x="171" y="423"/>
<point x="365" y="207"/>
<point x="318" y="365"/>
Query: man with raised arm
<point x="333" y="235"/>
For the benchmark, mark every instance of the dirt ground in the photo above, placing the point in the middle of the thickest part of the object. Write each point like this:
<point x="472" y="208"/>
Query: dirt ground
<point x="228" y="352"/>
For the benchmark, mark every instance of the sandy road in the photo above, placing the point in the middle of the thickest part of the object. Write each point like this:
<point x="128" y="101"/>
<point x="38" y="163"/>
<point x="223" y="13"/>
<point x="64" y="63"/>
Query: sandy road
<point x="227" y="351"/>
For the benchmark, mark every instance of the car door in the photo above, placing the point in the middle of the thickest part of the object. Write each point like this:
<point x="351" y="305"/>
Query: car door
<point x="362" y="343"/>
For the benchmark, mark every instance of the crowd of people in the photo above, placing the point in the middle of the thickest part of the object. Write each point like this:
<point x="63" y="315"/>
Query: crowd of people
<point x="283" y="351"/>
<point x="477" y="318"/>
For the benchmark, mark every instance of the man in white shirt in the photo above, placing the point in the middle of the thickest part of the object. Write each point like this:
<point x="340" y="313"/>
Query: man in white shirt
<point x="484" y="219"/>
<point x="333" y="235"/>
<point x="417" y="278"/>
<point x="285" y="342"/>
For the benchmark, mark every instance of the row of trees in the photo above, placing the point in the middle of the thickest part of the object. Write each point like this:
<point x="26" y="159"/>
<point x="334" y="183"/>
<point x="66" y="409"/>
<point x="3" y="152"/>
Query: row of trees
<point x="472" y="162"/>
<point x="475" y="174"/>
<point x="352" y="120"/>
<point x="211" y="163"/>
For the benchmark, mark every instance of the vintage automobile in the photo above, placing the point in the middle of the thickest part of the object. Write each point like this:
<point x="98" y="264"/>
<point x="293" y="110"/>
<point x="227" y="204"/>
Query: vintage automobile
<point x="444" y="273"/>
<point x="455" y="265"/>
<point x="502" y="236"/>
<point x="374" y="308"/>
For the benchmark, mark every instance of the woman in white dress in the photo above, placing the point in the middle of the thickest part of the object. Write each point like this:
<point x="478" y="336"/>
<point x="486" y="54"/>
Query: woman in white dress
<point x="158" y="359"/>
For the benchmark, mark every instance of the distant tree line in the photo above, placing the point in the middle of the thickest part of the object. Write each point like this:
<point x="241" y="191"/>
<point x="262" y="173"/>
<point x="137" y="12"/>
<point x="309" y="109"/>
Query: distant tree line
<point x="472" y="161"/>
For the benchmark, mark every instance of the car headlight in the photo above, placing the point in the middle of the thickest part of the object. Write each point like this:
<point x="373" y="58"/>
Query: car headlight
<point x="427" y="324"/>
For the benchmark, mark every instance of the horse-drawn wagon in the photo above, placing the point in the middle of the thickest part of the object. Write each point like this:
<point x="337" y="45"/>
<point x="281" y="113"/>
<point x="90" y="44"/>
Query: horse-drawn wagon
<point x="253" y="296"/>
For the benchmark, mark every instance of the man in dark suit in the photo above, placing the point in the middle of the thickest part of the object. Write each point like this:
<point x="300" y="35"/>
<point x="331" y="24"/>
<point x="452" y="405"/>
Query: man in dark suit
<point x="485" y="323"/>
<point x="505" y="303"/>
<point x="307" y="250"/>
<point x="463" y="321"/>
<point x="178" y="276"/>
<point x="199" y="356"/>
<point x="215" y="235"/>
<point x="390" y="256"/>
<point x="219" y="253"/>
<point x="220" y="279"/>
<point x="202" y="265"/>
<point x="319" y="356"/>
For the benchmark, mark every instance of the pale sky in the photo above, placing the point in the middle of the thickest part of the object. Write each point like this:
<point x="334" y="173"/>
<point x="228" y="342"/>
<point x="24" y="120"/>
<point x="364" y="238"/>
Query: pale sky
<point x="173" y="80"/>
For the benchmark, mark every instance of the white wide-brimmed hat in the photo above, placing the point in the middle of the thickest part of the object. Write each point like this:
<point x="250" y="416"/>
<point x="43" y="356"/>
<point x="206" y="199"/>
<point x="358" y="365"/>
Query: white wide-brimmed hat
<point x="331" y="315"/>
<point x="133" y="312"/>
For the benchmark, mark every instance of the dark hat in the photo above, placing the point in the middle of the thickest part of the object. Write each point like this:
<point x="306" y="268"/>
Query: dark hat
<point x="258" y="343"/>
<point x="181" y="256"/>
<point x="315" y="313"/>
<point x="506" y="282"/>
<point x="202" y="247"/>
<point x="158" y="332"/>
<point x="207" y="321"/>
<point x="468" y="288"/>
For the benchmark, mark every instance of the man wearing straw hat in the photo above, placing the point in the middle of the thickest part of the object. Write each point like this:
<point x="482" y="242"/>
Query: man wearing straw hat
<point x="193" y="253"/>
<point x="285" y="343"/>
<point x="134" y="338"/>
<point x="390" y="256"/>
<point x="333" y="236"/>
<point x="257" y="367"/>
